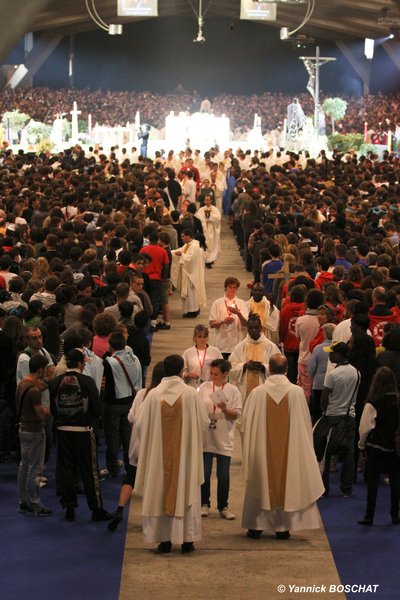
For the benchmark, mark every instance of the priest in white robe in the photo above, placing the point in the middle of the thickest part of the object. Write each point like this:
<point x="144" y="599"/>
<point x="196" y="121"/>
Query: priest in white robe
<point x="170" y="425"/>
<point x="210" y="218"/>
<point x="249" y="359"/>
<point x="282" y="478"/>
<point x="187" y="274"/>
<point x="268" y="313"/>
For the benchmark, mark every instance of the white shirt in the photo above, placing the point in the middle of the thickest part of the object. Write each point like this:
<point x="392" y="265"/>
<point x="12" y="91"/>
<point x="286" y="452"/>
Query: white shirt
<point x="220" y="440"/>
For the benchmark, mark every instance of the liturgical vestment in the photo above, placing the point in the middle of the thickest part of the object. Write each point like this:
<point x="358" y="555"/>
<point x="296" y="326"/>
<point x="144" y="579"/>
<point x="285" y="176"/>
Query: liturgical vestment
<point x="282" y="478"/>
<point x="170" y="426"/>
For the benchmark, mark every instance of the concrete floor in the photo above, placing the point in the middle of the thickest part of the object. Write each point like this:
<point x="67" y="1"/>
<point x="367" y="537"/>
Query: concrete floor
<point x="226" y="564"/>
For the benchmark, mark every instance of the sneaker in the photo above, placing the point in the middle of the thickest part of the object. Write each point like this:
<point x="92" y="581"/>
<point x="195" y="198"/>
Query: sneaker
<point x="101" y="515"/>
<point x="163" y="326"/>
<point x="43" y="512"/>
<point x="24" y="508"/>
<point x="204" y="510"/>
<point x="70" y="514"/>
<point x="115" y="521"/>
<point x="225" y="513"/>
<point x="104" y="474"/>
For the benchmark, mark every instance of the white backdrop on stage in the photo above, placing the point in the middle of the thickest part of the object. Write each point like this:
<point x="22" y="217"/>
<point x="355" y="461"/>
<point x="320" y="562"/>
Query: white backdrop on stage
<point x="200" y="130"/>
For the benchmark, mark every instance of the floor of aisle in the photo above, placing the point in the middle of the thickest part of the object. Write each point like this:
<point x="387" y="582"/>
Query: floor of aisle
<point x="226" y="564"/>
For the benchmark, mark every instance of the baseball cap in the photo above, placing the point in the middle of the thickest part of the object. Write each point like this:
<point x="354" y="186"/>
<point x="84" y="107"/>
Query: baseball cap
<point x="339" y="347"/>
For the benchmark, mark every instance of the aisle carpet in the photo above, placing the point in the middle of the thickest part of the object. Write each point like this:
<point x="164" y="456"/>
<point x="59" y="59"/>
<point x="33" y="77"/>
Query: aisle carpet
<point x="51" y="558"/>
<point x="363" y="555"/>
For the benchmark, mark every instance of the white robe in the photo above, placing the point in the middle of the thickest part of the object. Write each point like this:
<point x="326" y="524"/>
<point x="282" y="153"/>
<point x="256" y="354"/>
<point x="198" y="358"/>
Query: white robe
<point x="260" y="350"/>
<point x="187" y="274"/>
<point x="303" y="485"/>
<point x="269" y="320"/>
<point x="212" y="231"/>
<point x="184" y="525"/>
<point x="227" y="336"/>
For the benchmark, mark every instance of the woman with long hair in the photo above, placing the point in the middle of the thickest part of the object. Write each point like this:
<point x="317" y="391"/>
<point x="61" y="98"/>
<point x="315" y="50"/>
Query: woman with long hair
<point x="379" y="422"/>
<point x="129" y="481"/>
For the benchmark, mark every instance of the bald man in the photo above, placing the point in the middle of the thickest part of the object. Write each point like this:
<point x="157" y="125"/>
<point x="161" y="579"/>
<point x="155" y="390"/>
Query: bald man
<point x="282" y="478"/>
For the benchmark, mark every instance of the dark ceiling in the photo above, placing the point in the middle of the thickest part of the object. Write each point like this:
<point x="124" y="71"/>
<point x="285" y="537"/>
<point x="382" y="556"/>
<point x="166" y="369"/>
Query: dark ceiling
<point x="331" y="19"/>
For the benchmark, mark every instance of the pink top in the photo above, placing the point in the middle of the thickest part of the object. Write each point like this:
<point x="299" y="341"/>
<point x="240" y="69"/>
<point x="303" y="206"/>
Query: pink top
<point x="100" y="345"/>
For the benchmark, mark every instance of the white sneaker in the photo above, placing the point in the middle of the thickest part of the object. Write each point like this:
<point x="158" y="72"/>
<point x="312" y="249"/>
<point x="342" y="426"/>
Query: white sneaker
<point x="204" y="510"/>
<point x="225" y="513"/>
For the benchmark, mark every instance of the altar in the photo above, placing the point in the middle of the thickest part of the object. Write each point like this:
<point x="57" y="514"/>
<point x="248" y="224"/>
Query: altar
<point x="199" y="130"/>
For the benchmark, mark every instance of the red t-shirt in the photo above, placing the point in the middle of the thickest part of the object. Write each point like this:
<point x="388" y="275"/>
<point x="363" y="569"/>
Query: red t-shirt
<point x="289" y="315"/>
<point x="159" y="258"/>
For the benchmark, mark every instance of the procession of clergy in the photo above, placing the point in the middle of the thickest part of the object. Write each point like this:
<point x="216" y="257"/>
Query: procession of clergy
<point x="189" y="416"/>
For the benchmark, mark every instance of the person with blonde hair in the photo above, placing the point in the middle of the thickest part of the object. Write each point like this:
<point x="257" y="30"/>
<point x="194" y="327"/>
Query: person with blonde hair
<point x="198" y="358"/>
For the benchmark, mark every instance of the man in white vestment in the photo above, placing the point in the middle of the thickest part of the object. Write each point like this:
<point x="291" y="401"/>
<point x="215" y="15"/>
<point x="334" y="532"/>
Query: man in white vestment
<point x="281" y="473"/>
<point x="187" y="274"/>
<point x="170" y="425"/>
<point x="249" y="359"/>
<point x="210" y="218"/>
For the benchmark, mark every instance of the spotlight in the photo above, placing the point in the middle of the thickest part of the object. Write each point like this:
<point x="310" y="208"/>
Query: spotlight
<point x="115" y="29"/>
<point x="391" y="36"/>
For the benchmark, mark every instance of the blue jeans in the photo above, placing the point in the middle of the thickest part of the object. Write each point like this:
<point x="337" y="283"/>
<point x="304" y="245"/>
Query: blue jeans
<point x="223" y="464"/>
<point x="33" y="446"/>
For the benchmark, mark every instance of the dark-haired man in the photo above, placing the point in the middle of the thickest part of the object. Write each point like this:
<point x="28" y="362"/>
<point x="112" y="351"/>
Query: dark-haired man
<point x="123" y="376"/>
<point x="168" y="477"/>
<point x="32" y="414"/>
<point x="76" y="407"/>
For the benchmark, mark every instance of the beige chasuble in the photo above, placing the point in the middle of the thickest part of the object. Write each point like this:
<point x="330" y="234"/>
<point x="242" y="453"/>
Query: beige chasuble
<point x="277" y="449"/>
<point x="171" y="425"/>
<point x="253" y="352"/>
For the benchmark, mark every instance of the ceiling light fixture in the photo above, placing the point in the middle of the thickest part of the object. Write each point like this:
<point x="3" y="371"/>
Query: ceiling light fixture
<point x="112" y="29"/>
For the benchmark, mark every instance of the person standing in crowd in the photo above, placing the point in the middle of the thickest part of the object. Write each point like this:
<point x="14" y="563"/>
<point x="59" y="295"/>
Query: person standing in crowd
<point x="171" y="419"/>
<point x="34" y="346"/>
<point x="32" y="416"/>
<point x="379" y="422"/>
<point x="337" y="403"/>
<point x="317" y="370"/>
<point x="157" y="271"/>
<point x="198" y="358"/>
<point x="228" y="316"/>
<point x="380" y="314"/>
<point x="129" y="479"/>
<point x="290" y="312"/>
<point x="306" y="329"/>
<point x="123" y="379"/>
<point x="250" y="358"/>
<point x="187" y="275"/>
<point x="223" y="403"/>
<point x="76" y="407"/>
<point x="280" y="470"/>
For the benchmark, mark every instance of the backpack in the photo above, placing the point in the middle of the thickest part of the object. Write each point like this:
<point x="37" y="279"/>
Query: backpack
<point x="71" y="404"/>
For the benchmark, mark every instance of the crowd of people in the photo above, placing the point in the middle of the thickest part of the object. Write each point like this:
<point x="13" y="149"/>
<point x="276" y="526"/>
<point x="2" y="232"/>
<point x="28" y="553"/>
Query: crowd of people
<point x="91" y="248"/>
<point x="114" y="108"/>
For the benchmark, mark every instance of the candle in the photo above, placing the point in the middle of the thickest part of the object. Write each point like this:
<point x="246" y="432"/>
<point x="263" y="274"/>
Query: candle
<point x="365" y="131"/>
